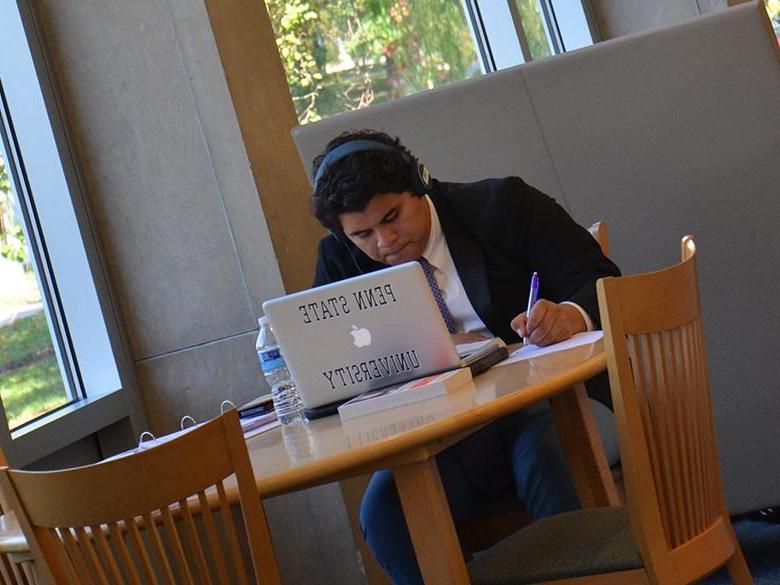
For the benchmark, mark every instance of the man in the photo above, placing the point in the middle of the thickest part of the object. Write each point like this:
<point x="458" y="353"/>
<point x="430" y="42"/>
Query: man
<point x="481" y="242"/>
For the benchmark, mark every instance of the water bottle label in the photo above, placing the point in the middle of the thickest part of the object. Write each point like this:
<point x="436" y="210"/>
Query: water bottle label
<point x="270" y="359"/>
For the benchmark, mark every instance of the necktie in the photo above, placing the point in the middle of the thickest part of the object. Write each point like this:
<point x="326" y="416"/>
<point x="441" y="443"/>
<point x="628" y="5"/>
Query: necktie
<point x="437" y="294"/>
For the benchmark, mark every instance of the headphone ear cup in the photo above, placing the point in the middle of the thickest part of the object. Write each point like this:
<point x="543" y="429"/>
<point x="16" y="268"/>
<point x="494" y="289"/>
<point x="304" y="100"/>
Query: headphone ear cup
<point x="421" y="178"/>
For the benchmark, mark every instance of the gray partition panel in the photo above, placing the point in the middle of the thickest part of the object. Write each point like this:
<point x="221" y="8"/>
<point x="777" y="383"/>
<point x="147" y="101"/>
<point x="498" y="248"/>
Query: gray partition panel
<point x="661" y="134"/>
<point x="674" y="132"/>
<point x="466" y="131"/>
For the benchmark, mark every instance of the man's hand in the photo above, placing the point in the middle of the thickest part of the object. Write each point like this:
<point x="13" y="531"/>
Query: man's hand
<point x="549" y="323"/>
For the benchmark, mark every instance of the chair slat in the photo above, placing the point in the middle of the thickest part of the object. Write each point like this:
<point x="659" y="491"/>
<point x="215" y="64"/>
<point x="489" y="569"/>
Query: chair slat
<point x="28" y="570"/>
<point x="665" y="434"/>
<point x="653" y="429"/>
<point x="76" y="556"/>
<point x="215" y="547"/>
<point x="6" y="573"/>
<point x="85" y="540"/>
<point x="230" y="533"/>
<point x="642" y="363"/>
<point x="680" y="415"/>
<point x="693" y="494"/>
<point x="693" y="436"/>
<point x="19" y="575"/>
<point x="185" y="575"/>
<point x="107" y="554"/>
<point x="162" y="557"/>
<point x="196" y="550"/>
<point x="676" y="391"/>
<point x="141" y="551"/>
<point x="131" y="571"/>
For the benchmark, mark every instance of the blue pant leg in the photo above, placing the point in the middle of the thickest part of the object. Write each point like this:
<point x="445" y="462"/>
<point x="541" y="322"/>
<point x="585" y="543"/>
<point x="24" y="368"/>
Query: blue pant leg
<point x="542" y="477"/>
<point x="535" y="464"/>
<point x="381" y="515"/>
<point x="541" y="472"/>
<point x="384" y="530"/>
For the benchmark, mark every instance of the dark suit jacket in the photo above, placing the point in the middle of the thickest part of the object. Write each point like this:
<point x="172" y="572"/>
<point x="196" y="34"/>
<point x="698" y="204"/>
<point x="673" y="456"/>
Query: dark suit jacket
<point x="499" y="231"/>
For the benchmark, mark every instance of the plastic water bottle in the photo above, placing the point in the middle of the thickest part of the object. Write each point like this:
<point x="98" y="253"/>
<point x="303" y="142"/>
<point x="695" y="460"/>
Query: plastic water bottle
<point x="287" y="402"/>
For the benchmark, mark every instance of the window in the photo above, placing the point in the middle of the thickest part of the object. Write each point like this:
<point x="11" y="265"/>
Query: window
<point x="773" y="10"/>
<point x="517" y="31"/>
<point x="341" y="55"/>
<point x="57" y="359"/>
<point x="32" y="371"/>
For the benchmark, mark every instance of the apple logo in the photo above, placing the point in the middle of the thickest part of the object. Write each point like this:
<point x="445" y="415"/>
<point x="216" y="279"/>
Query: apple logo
<point x="360" y="337"/>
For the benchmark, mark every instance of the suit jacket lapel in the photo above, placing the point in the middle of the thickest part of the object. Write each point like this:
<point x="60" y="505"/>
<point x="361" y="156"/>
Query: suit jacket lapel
<point x="469" y="261"/>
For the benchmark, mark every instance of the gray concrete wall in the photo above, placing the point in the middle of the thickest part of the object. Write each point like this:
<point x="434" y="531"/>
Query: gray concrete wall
<point x="179" y="219"/>
<point x="172" y="197"/>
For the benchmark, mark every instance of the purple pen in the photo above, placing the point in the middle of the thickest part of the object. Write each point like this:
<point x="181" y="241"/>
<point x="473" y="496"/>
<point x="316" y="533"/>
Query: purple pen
<point x="533" y="295"/>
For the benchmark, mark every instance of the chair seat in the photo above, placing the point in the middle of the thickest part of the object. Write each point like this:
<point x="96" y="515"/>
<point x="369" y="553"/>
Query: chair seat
<point x="586" y="542"/>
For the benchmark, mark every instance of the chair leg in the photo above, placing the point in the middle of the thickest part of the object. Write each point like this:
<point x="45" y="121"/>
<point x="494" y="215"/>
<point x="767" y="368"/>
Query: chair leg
<point x="738" y="569"/>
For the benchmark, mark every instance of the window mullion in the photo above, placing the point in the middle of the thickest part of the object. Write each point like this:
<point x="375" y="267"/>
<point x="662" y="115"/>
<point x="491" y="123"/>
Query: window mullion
<point x="551" y="27"/>
<point x="520" y="30"/>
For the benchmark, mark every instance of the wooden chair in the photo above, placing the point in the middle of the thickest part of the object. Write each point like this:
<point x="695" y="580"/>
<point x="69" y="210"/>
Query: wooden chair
<point x="16" y="564"/>
<point x="675" y="528"/>
<point x="133" y="519"/>
<point x="481" y="534"/>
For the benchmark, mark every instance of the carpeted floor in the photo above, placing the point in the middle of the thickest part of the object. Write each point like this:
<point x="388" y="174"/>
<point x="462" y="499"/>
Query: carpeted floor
<point x="760" y="542"/>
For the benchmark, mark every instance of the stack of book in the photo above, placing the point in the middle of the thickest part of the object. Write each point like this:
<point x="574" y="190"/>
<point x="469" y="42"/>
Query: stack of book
<point x="257" y="413"/>
<point x="406" y="393"/>
<point x="260" y="405"/>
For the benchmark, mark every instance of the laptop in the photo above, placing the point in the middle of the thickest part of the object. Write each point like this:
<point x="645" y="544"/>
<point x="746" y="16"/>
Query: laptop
<point x="360" y="334"/>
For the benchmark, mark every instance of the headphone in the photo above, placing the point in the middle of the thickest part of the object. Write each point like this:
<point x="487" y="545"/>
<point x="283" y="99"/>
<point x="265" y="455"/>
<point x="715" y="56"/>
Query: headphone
<point x="421" y="177"/>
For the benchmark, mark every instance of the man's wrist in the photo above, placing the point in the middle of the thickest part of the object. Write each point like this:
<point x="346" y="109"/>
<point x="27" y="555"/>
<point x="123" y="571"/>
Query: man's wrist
<point x="585" y="317"/>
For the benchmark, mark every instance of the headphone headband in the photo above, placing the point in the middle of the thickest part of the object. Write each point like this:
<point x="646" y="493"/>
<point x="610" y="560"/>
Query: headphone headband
<point x="420" y="175"/>
<point x="344" y="150"/>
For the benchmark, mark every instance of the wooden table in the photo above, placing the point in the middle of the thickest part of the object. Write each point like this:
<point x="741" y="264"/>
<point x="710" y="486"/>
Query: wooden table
<point x="407" y="439"/>
<point x="16" y="564"/>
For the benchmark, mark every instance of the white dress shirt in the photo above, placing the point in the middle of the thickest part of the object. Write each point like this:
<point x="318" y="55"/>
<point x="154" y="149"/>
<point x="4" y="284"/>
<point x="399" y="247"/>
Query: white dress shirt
<point x="438" y="255"/>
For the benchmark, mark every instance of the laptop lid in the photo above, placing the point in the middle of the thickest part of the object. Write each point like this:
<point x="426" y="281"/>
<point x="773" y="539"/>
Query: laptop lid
<point x="367" y="332"/>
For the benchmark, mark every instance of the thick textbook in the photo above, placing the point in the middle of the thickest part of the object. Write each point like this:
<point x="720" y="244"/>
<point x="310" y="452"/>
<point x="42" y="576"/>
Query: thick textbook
<point x="482" y="355"/>
<point x="406" y="393"/>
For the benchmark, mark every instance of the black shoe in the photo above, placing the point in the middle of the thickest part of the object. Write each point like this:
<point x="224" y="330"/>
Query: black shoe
<point x="768" y="515"/>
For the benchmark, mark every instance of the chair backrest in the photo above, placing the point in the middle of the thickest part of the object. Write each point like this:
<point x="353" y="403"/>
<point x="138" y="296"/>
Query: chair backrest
<point x="687" y="248"/>
<point x="599" y="232"/>
<point x="133" y="519"/>
<point x="660" y="388"/>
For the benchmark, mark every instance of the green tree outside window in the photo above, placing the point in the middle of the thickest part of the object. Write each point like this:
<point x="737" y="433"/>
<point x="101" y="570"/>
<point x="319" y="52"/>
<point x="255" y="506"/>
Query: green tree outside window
<point x="341" y="55"/>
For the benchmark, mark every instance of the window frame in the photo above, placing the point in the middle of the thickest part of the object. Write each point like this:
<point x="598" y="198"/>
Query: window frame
<point x="91" y="413"/>
<point x="501" y="41"/>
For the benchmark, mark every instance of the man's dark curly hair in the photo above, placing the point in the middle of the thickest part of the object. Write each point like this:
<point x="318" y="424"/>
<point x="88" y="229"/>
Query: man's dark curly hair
<point x="351" y="182"/>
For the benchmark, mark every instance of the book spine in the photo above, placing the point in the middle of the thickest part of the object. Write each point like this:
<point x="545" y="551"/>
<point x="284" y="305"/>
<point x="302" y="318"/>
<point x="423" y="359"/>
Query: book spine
<point x="255" y="410"/>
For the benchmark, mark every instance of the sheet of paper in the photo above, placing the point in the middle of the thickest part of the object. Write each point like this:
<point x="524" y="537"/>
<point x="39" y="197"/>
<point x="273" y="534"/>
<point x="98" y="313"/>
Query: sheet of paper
<point x="261" y="429"/>
<point x="531" y="351"/>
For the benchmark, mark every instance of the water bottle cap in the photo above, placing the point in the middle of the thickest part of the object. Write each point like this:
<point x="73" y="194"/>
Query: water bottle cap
<point x="262" y="320"/>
